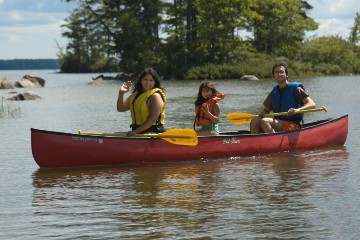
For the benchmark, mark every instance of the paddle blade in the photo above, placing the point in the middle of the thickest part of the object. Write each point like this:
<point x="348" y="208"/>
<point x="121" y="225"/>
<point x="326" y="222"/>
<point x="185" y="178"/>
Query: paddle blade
<point x="180" y="136"/>
<point x="240" y="118"/>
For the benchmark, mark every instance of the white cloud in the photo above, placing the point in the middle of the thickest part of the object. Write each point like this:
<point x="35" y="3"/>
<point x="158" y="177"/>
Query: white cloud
<point x="14" y="38"/>
<point x="15" y="16"/>
<point x="333" y="17"/>
<point x="333" y="9"/>
<point x="31" y="28"/>
<point x="332" y="26"/>
<point x="30" y="41"/>
<point x="40" y="5"/>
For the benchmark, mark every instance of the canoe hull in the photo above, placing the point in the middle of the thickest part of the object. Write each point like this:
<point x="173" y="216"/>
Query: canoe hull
<point x="55" y="149"/>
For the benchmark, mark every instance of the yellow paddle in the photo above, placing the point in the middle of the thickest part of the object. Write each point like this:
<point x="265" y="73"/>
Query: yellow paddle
<point x="242" y="118"/>
<point x="179" y="136"/>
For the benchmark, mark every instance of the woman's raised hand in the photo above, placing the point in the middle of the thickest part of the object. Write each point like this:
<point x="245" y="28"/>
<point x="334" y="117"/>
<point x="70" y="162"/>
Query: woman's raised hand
<point x="125" y="87"/>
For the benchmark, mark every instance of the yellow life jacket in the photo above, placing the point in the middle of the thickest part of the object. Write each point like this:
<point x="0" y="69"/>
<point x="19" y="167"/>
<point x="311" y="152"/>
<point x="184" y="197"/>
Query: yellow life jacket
<point x="202" y="119"/>
<point x="140" y="110"/>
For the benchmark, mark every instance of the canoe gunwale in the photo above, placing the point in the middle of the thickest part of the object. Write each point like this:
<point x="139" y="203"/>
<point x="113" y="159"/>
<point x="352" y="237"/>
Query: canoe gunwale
<point x="306" y="126"/>
<point x="239" y="133"/>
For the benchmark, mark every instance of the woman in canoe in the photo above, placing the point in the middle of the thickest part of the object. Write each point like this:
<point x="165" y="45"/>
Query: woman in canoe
<point x="207" y="109"/>
<point x="146" y="103"/>
<point x="287" y="97"/>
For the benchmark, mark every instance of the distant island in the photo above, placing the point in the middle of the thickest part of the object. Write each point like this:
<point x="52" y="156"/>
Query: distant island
<point x="28" y="64"/>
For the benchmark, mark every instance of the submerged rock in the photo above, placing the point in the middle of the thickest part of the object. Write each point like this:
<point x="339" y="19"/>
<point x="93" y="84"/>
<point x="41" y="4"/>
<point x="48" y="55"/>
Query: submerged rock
<point x="249" y="78"/>
<point x="28" y="81"/>
<point x="6" y="84"/>
<point x="24" y="96"/>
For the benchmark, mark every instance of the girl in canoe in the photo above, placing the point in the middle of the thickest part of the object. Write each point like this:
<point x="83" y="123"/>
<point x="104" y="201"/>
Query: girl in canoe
<point x="146" y="103"/>
<point x="207" y="109"/>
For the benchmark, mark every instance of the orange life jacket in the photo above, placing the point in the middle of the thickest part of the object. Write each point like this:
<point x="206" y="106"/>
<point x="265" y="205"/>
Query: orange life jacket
<point x="202" y="119"/>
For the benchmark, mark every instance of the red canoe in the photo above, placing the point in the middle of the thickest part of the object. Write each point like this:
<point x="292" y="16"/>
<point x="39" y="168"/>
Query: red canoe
<point x="56" y="149"/>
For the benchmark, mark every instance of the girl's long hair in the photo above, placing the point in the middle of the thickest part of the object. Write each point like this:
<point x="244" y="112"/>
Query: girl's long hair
<point x="205" y="84"/>
<point x="138" y="87"/>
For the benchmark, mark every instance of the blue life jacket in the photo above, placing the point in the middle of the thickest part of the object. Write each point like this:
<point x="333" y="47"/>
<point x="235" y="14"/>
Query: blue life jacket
<point x="283" y="102"/>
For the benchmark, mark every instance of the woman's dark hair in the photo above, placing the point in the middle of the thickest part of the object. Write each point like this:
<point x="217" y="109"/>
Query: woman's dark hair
<point x="205" y="84"/>
<point x="279" y="65"/>
<point x="138" y="87"/>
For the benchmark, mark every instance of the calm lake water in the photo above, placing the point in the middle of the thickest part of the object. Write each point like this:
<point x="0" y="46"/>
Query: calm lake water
<point x="301" y="195"/>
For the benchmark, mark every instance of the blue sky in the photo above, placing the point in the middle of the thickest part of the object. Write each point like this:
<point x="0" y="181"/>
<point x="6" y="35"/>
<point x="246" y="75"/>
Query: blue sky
<point x="31" y="28"/>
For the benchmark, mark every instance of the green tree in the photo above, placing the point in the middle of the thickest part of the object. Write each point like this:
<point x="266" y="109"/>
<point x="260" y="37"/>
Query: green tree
<point x="354" y="39"/>
<point x="205" y="35"/>
<point x="355" y="30"/>
<point x="215" y="29"/>
<point x="126" y="31"/>
<point x="329" y="55"/>
<point x="282" y="25"/>
<point x="179" y="30"/>
<point x="204" y="31"/>
<point x="89" y="48"/>
<point x="138" y="42"/>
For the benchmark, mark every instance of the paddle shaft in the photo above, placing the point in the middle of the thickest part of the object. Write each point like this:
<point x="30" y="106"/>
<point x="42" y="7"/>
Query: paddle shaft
<point x="136" y="135"/>
<point x="242" y="118"/>
<point x="178" y="136"/>
<point x="297" y="112"/>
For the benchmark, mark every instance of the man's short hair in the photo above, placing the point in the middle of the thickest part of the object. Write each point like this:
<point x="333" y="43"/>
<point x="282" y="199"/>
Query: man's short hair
<point x="279" y="65"/>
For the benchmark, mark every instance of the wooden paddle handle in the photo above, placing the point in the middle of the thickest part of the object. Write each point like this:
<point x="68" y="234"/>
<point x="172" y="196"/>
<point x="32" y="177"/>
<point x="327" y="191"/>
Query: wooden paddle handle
<point x="323" y="108"/>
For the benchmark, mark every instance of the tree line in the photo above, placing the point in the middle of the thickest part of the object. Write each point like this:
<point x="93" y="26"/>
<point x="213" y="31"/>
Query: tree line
<point x="18" y="64"/>
<point x="197" y="39"/>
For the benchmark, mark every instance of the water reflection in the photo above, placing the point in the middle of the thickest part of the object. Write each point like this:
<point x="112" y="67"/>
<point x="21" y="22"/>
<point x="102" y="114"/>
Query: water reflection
<point x="275" y="195"/>
<point x="281" y="191"/>
<point x="133" y="197"/>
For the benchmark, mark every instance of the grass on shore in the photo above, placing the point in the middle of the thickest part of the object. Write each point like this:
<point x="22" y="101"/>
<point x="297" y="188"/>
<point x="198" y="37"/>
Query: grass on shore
<point x="8" y="109"/>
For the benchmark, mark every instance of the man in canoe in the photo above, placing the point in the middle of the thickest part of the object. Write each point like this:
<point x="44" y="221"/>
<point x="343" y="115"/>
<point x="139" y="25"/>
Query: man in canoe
<point x="287" y="97"/>
<point x="146" y="103"/>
